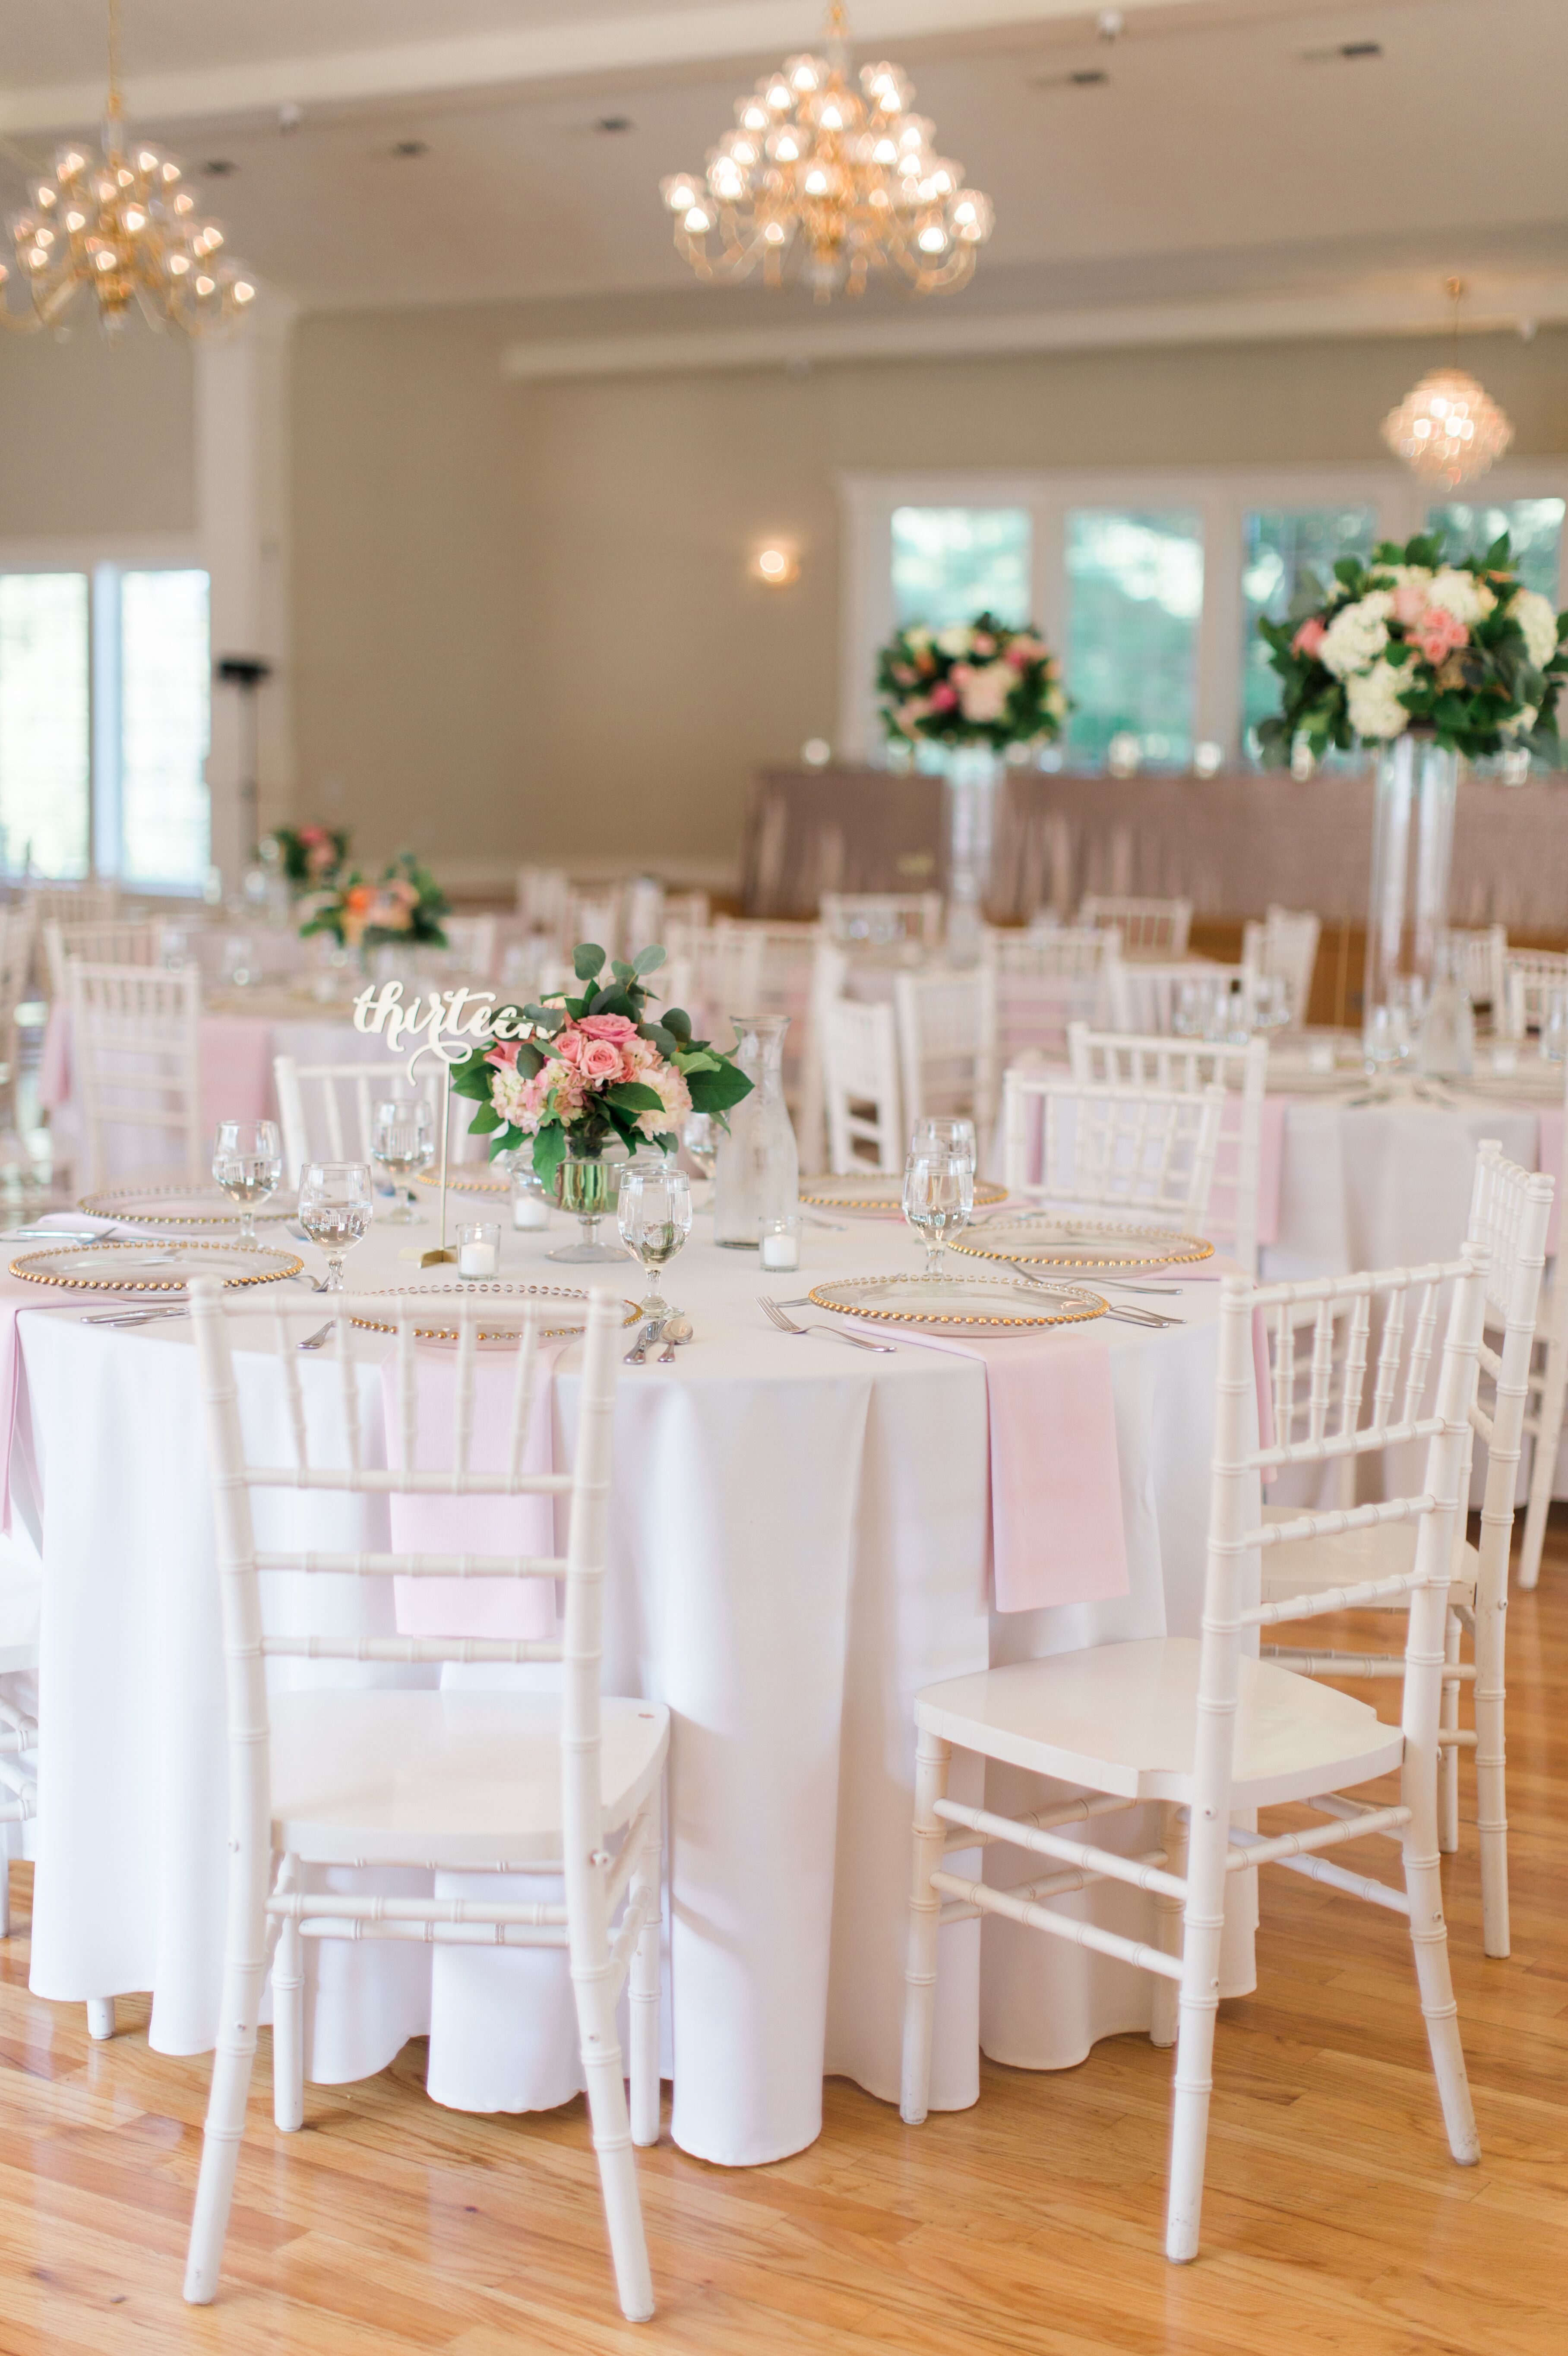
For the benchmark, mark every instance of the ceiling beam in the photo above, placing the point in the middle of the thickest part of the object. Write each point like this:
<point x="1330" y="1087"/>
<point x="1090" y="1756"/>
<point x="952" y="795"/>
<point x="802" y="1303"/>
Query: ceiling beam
<point x="577" y="46"/>
<point x="1508" y="305"/>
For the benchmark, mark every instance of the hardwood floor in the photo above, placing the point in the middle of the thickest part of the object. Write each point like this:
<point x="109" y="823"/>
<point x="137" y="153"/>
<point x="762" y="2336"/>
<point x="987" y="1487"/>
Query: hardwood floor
<point x="1334" y="2221"/>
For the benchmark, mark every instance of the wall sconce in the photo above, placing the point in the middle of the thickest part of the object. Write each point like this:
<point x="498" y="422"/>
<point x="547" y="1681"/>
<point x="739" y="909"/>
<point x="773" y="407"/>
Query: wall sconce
<point x="776" y="567"/>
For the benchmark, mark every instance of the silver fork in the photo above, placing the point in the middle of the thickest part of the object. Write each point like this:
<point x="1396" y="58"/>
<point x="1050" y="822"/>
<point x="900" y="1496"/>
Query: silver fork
<point x="775" y="1316"/>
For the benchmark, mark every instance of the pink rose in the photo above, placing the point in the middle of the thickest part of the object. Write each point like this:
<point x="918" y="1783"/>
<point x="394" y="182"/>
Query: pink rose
<point x="1409" y="603"/>
<point x="600" y="1060"/>
<point x="983" y="643"/>
<point x="614" y="1027"/>
<point x="1438" y="634"/>
<point x="504" y="1054"/>
<point x="1309" y="638"/>
<point x="569" y="1044"/>
<point x="943" y="698"/>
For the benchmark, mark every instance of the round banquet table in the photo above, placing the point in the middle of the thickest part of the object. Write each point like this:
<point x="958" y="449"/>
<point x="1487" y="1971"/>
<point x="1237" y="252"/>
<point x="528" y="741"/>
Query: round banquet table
<point x="799" y="1542"/>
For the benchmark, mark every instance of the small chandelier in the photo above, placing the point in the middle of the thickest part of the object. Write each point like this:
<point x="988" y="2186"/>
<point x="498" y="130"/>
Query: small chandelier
<point x="1449" y="430"/>
<point x="826" y="182"/>
<point x="123" y="224"/>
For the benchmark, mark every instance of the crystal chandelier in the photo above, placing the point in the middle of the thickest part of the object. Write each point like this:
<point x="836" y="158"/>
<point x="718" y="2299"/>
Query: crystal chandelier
<point x="121" y="223"/>
<point x="827" y="182"/>
<point x="1449" y="430"/>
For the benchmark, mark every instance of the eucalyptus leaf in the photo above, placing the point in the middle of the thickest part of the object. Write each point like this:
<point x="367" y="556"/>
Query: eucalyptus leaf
<point x="587" y="960"/>
<point x="648" y="960"/>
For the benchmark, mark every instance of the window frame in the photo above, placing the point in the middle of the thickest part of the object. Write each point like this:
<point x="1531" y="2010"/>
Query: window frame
<point x="1221" y="496"/>
<point x="105" y="562"/>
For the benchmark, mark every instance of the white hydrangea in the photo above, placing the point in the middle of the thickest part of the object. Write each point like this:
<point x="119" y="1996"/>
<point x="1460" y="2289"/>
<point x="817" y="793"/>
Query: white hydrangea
<point x="1373" y="697"/>
<point x="1535" y="617"/>
<point x="1461" y="595"/>
<point x="1357" y="635"/>
<point x="953" y="641"/>
<point x="1403" y="576"/>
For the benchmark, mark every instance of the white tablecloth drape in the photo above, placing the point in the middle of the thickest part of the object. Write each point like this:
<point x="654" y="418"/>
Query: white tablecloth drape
<point x="799" y="1543"/>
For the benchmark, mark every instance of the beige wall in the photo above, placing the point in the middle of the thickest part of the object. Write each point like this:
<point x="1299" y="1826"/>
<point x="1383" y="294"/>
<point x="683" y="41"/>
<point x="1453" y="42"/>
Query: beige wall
<point x="522" y="617"/>
<point x="98" y="437"/>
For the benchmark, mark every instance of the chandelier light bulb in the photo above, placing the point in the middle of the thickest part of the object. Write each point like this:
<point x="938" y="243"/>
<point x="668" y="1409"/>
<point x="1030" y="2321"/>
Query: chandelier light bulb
<point x="830" y="177"/>
<point x="1447" y="429"/>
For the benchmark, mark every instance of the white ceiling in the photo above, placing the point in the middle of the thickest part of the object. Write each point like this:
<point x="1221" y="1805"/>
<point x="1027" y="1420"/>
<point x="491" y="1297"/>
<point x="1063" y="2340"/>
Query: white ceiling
<point x="1215" y="160"/>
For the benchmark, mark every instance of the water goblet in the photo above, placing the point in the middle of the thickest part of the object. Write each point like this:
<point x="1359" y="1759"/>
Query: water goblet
<point x="652" y="1210"/>
<point x="938" y="1133"/>
<point x="1385" y="1038"/>
<point x="336" y="1202"/>
<point x="1553" y="1036"/>
<point x="248" y="1163"/>
<point x="938" y="1197"/>
<point x="700" y="1136"/>
<point x="403" y="1142"/>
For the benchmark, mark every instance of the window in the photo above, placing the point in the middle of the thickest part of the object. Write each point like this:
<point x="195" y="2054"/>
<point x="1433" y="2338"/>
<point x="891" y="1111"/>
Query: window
<point x="1534" y="527"/>
<point x="104" y="704"/>
<point x="45" y="772"/>
<point x="1135" y="588"/>
<point x="951" y="563"/>
<point x="1278" y="545"/>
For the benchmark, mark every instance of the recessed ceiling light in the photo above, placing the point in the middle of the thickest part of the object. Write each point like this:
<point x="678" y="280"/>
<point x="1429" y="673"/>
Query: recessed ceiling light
<point x="218" y="168"/>
<point x="1085" y="77"/>
<point x="1342" y="53"/>
<point x="614" y="123"/>
<point x="406" y="147"/>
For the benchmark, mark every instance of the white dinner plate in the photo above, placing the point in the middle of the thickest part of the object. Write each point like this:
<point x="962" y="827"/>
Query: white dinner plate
<point x="153" y="1267"/>
<point x="996" y="1304"/>
<point x="567" y="1306"/>
<point x="1051" y="1239"/>
<point x="176" y="1203"/>
<point x="878" y="1191"/>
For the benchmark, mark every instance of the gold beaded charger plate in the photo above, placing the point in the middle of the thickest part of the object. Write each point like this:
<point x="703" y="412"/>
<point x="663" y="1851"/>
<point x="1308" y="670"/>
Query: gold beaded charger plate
<point x="880" y="1191"/>
<point x="153" y="1267"/>
<point x="465" y="1178"/>
<point x="1048" y="1239"/>
<point x="178" y="1203"/>
<point x="567" y="1306"/>
<point x="979" y="1303"/>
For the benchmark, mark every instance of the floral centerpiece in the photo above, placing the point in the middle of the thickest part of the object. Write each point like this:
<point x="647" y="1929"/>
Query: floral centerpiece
<point x="595" y="1067"/>
<point x="310" y="857"/>
<point x="1462" y="653"/>
<point x="402" y="909"/>
<point x="978" y="683"/>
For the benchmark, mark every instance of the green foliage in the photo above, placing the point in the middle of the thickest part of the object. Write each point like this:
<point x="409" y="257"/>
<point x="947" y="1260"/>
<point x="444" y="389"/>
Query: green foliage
<point x="918" y="697"/>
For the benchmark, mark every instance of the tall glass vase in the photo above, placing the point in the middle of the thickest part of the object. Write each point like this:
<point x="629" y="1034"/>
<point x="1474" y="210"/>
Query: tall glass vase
<point x="973" y="782"/>
<point x="1412" y="850"/>
<point x="756" y="1174"/>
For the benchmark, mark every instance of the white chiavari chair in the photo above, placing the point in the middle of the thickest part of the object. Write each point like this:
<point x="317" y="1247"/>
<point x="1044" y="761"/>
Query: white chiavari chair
<point x="1509" y="1213"/>
<point x="1284" y="947"/>
<point x="869" y="920"/>
<point x="1148" y="1152"/>
<point x="1544" y="1408"/>
<point x="1041" y="981"/>
<point x="131" y="941"/>
<point x="1211" y="1735"/>
<point x="1110" y="1058"/>
<point x="865" y="1128"/>
<point x="643" y="913"/>
<point x="946" y="1029"/>
<point x="543" y="893"/>
<point x="74" y="903"/>
<point x="1532" y="976"/>
<point x="1145" y="997"/>
<point x="596" y="913"/>
<point x="453" y="1780"/>
<point x="136" y="1050"/>
<point x="471" y="946"/>
<point x="17" y="944"/>
<point x="21" y="1608"/>
<point x="327" y="1111"/>
<point x="827" y="977"/>
<point x="1484" y="956"/>
<point x="686" y="909"/>
<point x="1149" y="929"/>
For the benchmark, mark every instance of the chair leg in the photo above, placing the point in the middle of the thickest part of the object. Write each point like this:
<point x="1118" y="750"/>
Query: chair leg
<point x="288" y="2031"/>
<point x="225" y="2123"/>
<point x="99" y="2019"/>
<point x="1168" y="1923"/>
<point x="1448" y="1757"/>
<point x="1543" y="1461"/>
<point x="612" y="2139"/>
<point x="932" y="1756"/>
<point x="1491" y="1796"/>
<point x="1203" y="1921"/>
<point x="1429" y="1941"/>
<point x="647" y="1879"/>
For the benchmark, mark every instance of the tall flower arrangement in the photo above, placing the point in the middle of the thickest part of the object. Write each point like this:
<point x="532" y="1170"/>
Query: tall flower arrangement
<point x="978" y="683"/>
<point x="595" y="1065"/>
<point x="402" y="909"/>
<point x="1462" y="652"/>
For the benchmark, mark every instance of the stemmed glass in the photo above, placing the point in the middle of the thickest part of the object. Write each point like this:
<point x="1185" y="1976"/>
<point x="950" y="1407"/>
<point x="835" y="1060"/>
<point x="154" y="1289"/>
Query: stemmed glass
<point x="700" y="1135"/>
<point x="248" y="1163"/>
<point x="654" y="1212"/>
<point x="939" y="1133"/>
<point x="403" y="1142"/>
<point x="939" y="1195"/>
<point x="336" y="1202"/>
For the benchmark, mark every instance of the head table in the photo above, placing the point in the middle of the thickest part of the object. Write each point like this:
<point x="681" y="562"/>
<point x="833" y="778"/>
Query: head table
<point x="799" y="1541"/>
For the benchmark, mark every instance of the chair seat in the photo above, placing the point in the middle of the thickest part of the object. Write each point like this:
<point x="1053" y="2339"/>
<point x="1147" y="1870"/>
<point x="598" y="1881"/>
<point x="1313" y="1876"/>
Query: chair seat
<point x="461" y="1779"/>
<point x="21" y="1600"/>
<point x="1307" y="1565"/>
<point x="1121" y="1717"/>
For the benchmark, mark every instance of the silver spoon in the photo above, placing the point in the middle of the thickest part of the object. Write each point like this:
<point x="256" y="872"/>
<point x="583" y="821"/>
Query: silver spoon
<point x="637" y="1354"/>
<point x="676" y="1330"/>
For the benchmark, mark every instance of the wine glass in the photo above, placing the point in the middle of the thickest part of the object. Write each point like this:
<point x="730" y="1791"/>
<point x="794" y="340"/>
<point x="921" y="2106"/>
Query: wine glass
<point x="937" y="1133"/>
<point x="336" y="1202"/>
<point x="700" y="1135"/>
<point x="939" y="1194"/>
<point x="1553" y="1040"/>
<point x="654" y="1212"/>
<point x="403" y="1142"/>
<point x="248" y="1163"/>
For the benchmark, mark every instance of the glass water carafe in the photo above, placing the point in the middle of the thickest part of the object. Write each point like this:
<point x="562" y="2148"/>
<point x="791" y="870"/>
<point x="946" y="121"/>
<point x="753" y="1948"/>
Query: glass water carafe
<point x="1449" y="1026"/>
<point x="757" y="1172"/>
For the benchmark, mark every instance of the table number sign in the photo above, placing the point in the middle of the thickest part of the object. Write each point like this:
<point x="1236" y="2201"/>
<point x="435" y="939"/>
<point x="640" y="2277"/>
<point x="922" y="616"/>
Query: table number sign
<point x="449" y="1026"/>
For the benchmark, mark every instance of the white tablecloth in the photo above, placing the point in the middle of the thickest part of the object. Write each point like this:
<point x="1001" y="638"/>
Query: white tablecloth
<point x="799" y="1538"/>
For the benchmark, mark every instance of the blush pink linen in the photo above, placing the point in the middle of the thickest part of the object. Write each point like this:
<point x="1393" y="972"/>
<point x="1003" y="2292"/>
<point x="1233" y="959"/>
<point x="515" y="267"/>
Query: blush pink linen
<point x="426" y="1524"/>
<point x="236" y="1066"/>
<point x="1056" y="1488"/>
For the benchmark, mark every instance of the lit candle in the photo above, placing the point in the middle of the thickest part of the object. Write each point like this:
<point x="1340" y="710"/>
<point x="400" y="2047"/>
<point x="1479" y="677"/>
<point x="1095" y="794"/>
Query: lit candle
<point x="529" y="1208"/>
<point x="478" y="1249"/>
<point x="780" y="1241"/>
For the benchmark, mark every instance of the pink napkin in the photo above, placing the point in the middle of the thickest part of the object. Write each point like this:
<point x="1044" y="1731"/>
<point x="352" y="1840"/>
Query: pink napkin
<point x="473" y="1607"/>
<point x="236" y="1068"/>
<point x="1056" y="1490"/>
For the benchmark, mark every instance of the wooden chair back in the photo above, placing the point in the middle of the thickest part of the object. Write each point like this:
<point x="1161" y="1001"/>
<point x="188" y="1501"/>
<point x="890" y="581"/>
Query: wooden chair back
<point x="136" y="1047"/>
